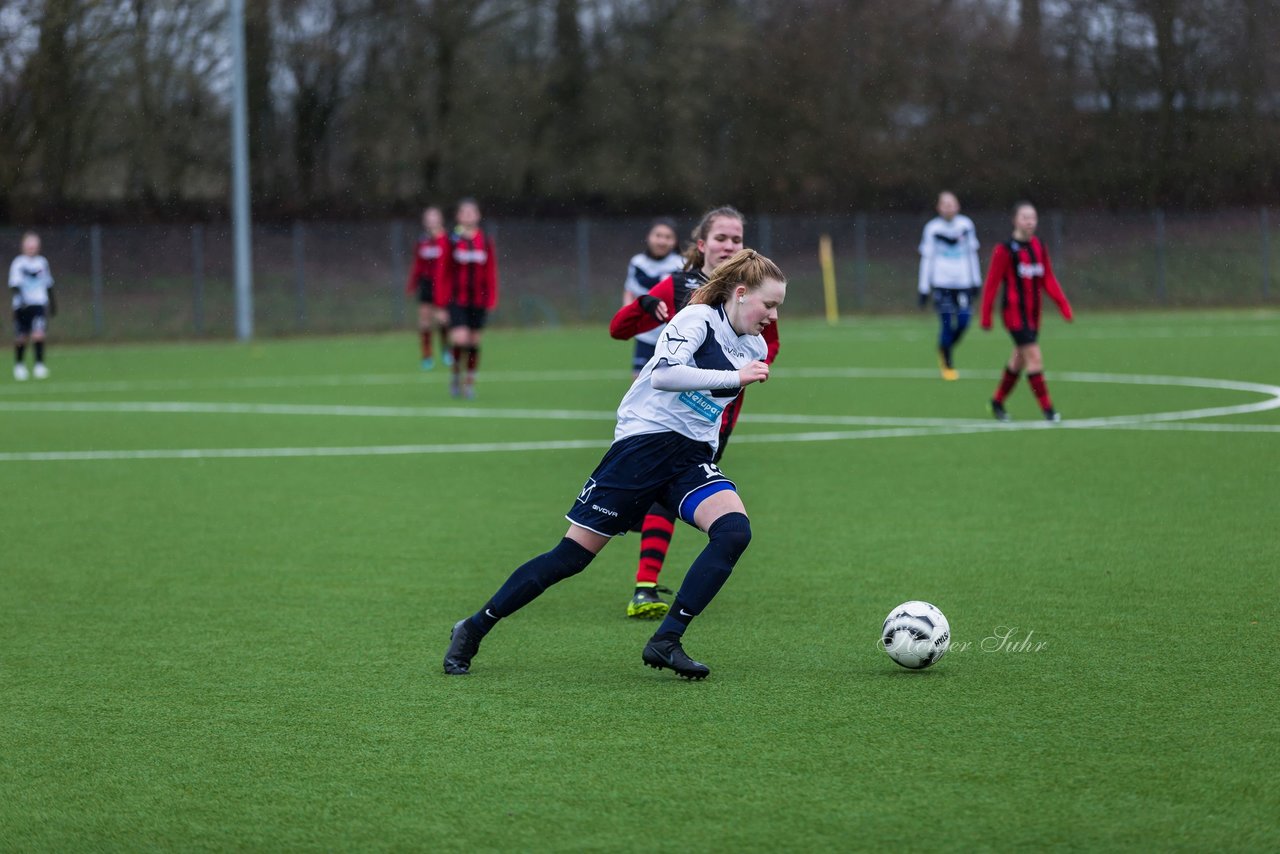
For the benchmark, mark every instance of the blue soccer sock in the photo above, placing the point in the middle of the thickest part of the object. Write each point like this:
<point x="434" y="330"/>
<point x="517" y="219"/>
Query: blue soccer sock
<point x="529" y="581"/>
<point x="729" y="536"/>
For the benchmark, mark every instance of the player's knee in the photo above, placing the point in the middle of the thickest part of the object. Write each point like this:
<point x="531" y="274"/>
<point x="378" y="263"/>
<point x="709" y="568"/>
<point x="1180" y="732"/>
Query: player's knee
<point x="571" y="558"/>
<point x="731" y="532"/>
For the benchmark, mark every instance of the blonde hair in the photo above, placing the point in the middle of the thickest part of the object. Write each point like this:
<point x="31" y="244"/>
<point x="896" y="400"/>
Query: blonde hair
<point x="746" y="267"/>
<point x="693" y="257"/>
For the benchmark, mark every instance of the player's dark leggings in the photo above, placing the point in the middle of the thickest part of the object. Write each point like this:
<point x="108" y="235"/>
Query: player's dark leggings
<point x="955" y="310"/>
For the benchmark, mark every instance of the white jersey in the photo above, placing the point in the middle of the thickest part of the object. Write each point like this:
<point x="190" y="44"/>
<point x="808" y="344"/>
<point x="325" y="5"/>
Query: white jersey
<point x="949" y="254"/>
<point x="30" y="280"/>
<point x="643" y="273"/>
<point x="700" y="337"/>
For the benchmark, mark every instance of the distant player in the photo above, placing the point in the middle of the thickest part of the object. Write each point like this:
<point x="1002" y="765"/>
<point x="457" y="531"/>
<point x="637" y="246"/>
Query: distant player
<point x="949" y="272"/>
<point x="427" y="256"/>
<point x="716" y="238"/>
<point x="31" y="284"/>
<point x="468" y="285"/>
<point x="658" y="260"/>
<point x="1019" y="272"/>
<point x="663" y="451"/>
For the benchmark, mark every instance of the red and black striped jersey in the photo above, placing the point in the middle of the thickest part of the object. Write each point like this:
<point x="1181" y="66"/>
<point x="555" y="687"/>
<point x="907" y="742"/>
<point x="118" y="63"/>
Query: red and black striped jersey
<point x="427" y="256"/>
<point x="469" y="272"/>
<point x="1019" y="273"/>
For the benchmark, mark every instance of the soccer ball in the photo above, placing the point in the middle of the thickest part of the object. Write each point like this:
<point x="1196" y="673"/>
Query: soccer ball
<point x="916" y="635"/>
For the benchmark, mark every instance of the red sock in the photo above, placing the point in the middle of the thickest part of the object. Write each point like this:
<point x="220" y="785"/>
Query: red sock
<point x="457" y="358"/>
<point x="655" y="539"/>
<point x="1041" y="390"/>
<point x="473" y="359"/>
<point x="426" y="343"/>
<point x="1007" y="382"/>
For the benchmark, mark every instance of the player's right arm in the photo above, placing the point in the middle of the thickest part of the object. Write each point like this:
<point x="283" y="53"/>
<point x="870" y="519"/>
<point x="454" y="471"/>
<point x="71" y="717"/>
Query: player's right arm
<point x="995" y="277"/>
<point x="926" y="263"/>
<point x="637" y="317"/>
<point x="675" y="369"/>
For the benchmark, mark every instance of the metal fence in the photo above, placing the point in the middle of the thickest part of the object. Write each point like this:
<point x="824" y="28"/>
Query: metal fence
<point x="129" y="282"/>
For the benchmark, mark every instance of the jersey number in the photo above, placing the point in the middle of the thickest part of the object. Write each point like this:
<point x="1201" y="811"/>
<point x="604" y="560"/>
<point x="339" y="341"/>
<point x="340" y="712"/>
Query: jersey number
<point x="712" y="470"/>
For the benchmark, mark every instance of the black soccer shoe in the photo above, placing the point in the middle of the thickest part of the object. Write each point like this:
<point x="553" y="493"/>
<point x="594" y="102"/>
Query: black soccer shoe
<point x="998" y="411"/>
<point x="666" y="653"/>
<point x="1051" y="414"/>
<point x="463" y="645"/>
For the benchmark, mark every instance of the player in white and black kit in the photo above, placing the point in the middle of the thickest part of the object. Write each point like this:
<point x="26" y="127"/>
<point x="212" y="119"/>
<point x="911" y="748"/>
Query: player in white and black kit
<point x="31" y="285"/>
<point x="949" y="271"/>
<point x="664" y="450"/>
<point x="658" y="260"/>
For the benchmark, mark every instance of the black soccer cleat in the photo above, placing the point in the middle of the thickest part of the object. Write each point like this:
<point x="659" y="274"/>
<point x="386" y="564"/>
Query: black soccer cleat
<point x="463" y="645"/>
<point x="666" y="653"/>
<point x="998" y="411"/>
<point x="1051" y="414"/>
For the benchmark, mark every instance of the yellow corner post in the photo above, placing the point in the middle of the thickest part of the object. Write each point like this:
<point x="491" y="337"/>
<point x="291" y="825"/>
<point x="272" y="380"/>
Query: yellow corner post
<point x="827" y="259"/>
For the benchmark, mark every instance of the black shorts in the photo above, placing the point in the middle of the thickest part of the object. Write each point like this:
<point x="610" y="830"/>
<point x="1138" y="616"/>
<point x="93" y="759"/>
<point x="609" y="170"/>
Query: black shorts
<point x="642" y="355"/>
<point x="29" y="319"/>
<point x="637" y="471"/>
<point x="465" y="315"/>
<point x="1023" y="337"/>
<point x="426" y="291"/>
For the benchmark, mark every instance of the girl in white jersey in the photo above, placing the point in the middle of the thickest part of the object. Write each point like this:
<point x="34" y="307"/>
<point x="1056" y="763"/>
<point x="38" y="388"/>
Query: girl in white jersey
<point x="949" y="272"/>
<point x="31" y="285"/>
<point x="663" y="449"/>
<point x="659" y="259"/>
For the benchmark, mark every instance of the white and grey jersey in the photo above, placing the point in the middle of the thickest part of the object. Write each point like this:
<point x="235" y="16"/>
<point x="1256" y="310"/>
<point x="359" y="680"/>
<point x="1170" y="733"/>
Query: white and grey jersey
<point x="949" y="254"/>
<point x="643" y="273"/>
<point x="691" y="378"/>
<point x="30" y="280"/>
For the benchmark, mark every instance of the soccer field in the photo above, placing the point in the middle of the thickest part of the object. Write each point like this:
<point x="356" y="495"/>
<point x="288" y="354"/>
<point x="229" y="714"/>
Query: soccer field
<point x="230" y="572"/>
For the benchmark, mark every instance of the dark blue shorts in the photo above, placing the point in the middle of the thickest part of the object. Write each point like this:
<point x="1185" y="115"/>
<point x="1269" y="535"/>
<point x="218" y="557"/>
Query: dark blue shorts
<point x="29" y="319"/>
<point x="637" y="471"/>
<point x="955" y="300"/>
<point x="644" y="352"/>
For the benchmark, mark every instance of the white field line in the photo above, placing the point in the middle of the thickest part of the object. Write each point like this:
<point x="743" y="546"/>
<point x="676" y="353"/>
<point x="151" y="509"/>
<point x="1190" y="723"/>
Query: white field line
<point x="571" y="444"/>
<point x="1270" y="392"/>
<point x="888" y="427"/>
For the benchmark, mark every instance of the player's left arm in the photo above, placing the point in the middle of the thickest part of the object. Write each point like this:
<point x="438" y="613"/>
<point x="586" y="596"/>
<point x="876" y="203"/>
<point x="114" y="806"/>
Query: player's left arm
<point x="1053" y="289"/>
<point x="492" y="273"/>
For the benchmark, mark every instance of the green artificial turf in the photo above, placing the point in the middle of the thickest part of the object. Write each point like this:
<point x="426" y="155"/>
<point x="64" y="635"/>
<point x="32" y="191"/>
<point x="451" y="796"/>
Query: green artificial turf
<point x="244" y="653"/>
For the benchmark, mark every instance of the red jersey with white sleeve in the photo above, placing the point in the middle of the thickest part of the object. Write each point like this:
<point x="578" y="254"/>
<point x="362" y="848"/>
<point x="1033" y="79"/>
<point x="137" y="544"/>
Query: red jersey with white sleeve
<point x="427" y="256"/>
<point x="468" y="272"/>
<point x="1019" y="272"/>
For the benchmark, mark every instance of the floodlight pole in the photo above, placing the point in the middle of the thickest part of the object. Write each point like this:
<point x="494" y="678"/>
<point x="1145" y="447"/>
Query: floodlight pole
<point x="240" y="214"/>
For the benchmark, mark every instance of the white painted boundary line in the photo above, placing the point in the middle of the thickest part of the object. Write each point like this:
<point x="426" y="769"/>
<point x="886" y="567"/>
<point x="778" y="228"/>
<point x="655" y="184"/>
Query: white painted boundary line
<point x="891" y="428"/>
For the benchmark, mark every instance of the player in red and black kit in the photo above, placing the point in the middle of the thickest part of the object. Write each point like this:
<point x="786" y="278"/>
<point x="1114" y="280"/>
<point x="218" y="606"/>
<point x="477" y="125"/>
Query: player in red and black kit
<point x="427" y="256"/>
<point x="468" y="285"/>
<point x="1020" y="271"/>
<point x="716" y="238"/>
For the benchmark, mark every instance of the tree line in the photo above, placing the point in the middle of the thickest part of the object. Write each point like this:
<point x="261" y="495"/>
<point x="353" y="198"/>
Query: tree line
<point x="119" y="108"/>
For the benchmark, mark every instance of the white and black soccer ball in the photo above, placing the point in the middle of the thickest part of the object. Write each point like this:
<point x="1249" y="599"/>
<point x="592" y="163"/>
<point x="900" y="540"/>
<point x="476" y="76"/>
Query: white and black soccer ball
<point x="916" y="635"/>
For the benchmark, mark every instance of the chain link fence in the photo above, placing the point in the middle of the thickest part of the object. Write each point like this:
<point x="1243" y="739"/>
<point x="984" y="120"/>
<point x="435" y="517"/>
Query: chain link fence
<point x="135" y="282"/>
